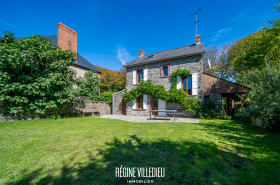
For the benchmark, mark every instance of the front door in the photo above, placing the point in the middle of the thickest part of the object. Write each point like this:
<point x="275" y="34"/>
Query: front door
<point x="161" y="106"/>
<point x="123" y="108"/>
<point x="155" y="105"/>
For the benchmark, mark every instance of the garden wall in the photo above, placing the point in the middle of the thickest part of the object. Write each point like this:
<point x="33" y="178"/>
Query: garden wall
<point x="117" y="99"/>
<point x="104" y="108"/>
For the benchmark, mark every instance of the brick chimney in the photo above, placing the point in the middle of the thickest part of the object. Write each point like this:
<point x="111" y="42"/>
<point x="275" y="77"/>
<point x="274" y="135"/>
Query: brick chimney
<point x="198" y="39"/>
<point x="141" y="52"/>
<point x="66" y="37"/>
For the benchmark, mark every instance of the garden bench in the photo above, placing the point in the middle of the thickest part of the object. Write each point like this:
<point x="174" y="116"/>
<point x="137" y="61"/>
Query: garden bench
<point x="89" y="111"/>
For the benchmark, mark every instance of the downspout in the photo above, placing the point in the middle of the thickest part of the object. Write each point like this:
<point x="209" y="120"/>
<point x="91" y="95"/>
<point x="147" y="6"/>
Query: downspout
<point x="202" y="75"/>
<point x="112" y="104"/>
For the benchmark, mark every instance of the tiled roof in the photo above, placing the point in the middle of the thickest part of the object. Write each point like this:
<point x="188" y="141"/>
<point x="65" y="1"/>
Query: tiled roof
<point x="81" y="60"/>
<point x="168" y="54"/>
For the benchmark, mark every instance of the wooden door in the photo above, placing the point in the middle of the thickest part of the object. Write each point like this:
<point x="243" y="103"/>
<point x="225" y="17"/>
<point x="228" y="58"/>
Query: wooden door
<point x="123" y="108"/>
<point x="154" y="105"/>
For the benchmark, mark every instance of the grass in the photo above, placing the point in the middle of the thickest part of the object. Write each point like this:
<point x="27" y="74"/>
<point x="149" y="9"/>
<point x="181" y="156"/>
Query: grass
<point x="88" y="150"/>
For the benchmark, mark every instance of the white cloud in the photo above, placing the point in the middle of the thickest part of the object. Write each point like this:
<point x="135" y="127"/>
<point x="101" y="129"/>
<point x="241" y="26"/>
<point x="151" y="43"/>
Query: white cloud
<point x="220" y="33"/>
<point x="4" y="22"/>
<point x="123" y="55"/>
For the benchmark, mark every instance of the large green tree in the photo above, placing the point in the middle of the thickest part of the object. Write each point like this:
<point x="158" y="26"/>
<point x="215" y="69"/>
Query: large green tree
<point x="112" y="80"/>
<point x="254" y="51"/>
<point x="34" y="75"/>
<point x="220" y="60"/>
<point x="265" y="95"/>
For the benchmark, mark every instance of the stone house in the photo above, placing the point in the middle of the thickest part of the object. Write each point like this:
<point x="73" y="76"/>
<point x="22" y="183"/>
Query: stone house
<point x="67" y="39"/>
<point x="158" y="68"/>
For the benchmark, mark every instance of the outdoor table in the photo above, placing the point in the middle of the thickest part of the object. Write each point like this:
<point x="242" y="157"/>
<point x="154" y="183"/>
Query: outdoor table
<point x="170" y="111"/>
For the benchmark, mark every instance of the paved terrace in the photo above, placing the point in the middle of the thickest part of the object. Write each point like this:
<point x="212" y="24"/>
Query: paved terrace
<point x="148" y="119"/>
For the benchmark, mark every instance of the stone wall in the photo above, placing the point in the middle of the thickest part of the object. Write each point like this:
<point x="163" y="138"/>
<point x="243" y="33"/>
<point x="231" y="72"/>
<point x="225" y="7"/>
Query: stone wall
<point x="218" y="99"/>
<point x="132" y="112"/>
<point x="192" y="63"/>
<point x="117" y="99"/>
<point x="74" y="111"/>
<point x="104" y="108"/>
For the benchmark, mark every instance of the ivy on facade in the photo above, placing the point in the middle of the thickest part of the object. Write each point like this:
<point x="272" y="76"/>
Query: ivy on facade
<point x="175" y="95"/>
<point x="181" y="73"/>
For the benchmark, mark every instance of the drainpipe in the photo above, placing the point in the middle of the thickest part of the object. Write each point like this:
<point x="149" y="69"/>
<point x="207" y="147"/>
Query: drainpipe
<point x="112" y="104"/>
<point x="202" y="74"/>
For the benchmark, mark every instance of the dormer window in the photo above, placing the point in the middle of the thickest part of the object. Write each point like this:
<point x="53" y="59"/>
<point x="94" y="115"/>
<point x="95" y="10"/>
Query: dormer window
<point x="151" y="56"/>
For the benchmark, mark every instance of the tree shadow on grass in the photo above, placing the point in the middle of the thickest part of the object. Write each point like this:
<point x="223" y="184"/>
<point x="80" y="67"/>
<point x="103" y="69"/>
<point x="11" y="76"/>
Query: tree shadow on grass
<point x="184" y="162"/>
<point x="244" y="135"/>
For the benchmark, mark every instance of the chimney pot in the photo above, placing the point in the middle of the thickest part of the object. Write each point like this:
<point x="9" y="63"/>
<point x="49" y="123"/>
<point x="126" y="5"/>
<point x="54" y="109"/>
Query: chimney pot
<point x="141" y="52"/>
<point x="198" y="39"/>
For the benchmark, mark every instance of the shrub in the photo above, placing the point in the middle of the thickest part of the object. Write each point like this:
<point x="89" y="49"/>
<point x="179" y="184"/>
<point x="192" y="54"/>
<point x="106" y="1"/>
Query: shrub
<point x="244" y="115"/>
<point x="89" y="85"/>
<point x="265" y="96"/>
<point x="109" y="97"/>
<point x="211" y="111"/>
<point x="56" y="116"/>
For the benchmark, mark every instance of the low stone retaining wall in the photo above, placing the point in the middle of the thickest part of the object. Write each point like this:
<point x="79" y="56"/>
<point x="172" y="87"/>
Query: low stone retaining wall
<point x="117" y="99"/>
<point x="104" y="108"/>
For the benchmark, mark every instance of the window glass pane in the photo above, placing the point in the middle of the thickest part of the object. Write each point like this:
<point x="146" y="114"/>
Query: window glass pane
<point x="206" y="98"/>
<point x="165" y="71"/>
<point x="140" y="76"/>
<point x="189" y="84"/>
<point x="155" y="102"/>
<point x="151" y="56"/>
<point x="141" y="102"/>
<point x="184" y="84"/>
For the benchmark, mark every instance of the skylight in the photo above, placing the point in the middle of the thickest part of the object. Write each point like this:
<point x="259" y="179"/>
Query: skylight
<point x="151" y="56"/>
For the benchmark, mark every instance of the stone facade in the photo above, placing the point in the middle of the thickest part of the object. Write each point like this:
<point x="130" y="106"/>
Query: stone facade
<point x="104" y="108"/>
<point x="192" y="63"/>
<point x="218" y="99"/>
<point x="80" y="71"/>
<point x="131" y="112"/>
<point x="117" y="99"/>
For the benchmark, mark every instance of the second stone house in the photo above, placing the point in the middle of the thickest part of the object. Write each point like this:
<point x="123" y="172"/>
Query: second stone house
<point x="67" y="38"/>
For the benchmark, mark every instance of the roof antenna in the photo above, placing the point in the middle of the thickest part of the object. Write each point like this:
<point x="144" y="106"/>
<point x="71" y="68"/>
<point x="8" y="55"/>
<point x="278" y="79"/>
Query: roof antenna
<point x="196" y="19"/>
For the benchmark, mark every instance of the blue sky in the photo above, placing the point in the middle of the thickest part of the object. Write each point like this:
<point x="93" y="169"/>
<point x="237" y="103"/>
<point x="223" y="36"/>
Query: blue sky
<point x="111" y="32"/>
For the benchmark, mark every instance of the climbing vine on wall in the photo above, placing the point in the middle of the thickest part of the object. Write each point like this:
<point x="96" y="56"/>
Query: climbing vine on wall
<point x="178" y="96"/>
<point x="180" y="72"/>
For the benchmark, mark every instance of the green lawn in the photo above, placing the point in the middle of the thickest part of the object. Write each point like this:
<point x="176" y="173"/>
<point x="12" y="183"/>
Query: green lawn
<point x="87" y="151"/>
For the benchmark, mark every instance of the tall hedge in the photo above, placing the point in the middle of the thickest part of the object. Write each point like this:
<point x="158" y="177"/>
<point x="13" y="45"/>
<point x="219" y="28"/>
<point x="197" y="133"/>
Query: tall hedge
<point x="34" y="75"/>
